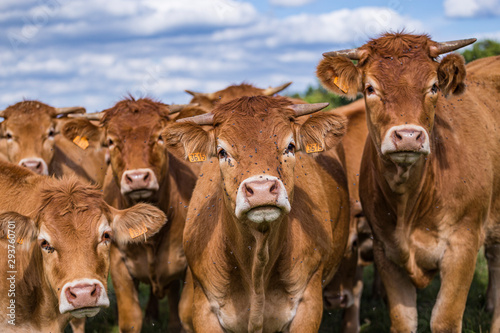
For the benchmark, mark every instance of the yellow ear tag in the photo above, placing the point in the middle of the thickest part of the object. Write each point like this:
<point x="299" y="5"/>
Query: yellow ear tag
<point x="81" y="142"/>
<point x="197" y="157"/>
<point x="313" y="148"/>
<point x="136" y="232"/>
<point x="341" y="87"/>
<point x="20" y="241"/>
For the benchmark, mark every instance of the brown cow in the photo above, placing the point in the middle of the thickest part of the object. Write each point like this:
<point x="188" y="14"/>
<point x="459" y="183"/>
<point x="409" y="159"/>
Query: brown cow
<point x="55" y="242"/>
<point x="208" y="101"/>
<point x="267" y="224"/>
<point x="142" y="170"/>
<point x="346" y="287"/>
<point x="429" y="179"/>
<point x="29" y="136"/>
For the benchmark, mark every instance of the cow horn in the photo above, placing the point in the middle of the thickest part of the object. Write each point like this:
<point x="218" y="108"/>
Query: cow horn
<point x="211" y="96"/>
<point x="70" y="110"/>
<point x="89" y="116"/>
<point x="453" y="45"/>
<point x="271" y="91"/>
<point x="202" y="119"/>
<point x="352" y="54"/>
<point x="176" y="108"/>
<point x="303" y="109"/>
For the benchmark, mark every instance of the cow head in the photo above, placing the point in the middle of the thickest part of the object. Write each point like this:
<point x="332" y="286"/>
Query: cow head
<point x="69" y="235"/>
<point x="132" y="131"/>
<point x="255" y="141"/>
<point x="209" y="100"/>
<point x="29" y="130"/>
<point x="401" y="81"/>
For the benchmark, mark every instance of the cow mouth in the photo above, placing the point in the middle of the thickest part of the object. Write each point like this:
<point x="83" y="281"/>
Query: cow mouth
<point x="262" y="214"/>
<point x="405" y="157"/>
<point x="85" y="312"/>
<point x="137" y="195"/>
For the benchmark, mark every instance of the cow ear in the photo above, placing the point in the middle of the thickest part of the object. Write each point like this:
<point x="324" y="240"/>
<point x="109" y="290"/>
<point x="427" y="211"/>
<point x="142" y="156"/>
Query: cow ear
<point x="321" y="131"/>
<point x="451" y="74"/>
<point x="189" y="139"/>
<point x="137" y="223"/>
<point x="17" y="229"/>
<point x="77" y="130"/>
<point x="340" y="76"/>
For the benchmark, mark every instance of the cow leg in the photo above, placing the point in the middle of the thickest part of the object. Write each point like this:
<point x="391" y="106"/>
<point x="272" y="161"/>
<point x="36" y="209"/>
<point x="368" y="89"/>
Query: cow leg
<point x="173" y="293"/>
<point x="78" y="325"/>
<point x="204" y="319"/>
<point x="310" y="309"/>
<point x="492" y="253"/>
<point x="457" y="270"/>
<point x="401" y="293"/>
<point x="186" y="303"/>
<point x="127" y="296"/>
<point x="350" y="318"/>
<point x="153" y="307"/>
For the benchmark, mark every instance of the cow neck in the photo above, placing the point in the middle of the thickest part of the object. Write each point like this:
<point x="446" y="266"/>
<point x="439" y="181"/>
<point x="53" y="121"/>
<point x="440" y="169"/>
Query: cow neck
<point x="403" y="187"/>
<point x="256" y="253"/>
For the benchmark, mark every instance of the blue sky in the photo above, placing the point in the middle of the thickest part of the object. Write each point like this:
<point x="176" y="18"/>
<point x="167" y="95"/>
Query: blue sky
<point x="92" y="52"/>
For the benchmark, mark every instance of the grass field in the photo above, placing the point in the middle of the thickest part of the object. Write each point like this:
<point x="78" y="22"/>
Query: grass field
<point x="374" y="314"/>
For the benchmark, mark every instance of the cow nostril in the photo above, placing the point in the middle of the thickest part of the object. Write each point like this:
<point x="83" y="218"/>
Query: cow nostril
<point x="249" y="190"/>
<point x="419" y="136"/>
<point x="274" y="188"/>
<point x="146" y="176"/>
<point x="129" y="180"/>
<point x="399" y="137"/>
<point x="94" y="291"/>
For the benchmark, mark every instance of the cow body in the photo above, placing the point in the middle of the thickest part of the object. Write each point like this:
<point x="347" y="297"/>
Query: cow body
<point x="429" y="184"/>
<point x="61" y="231"/>
<point x="259" y="264"/>
<point x="142" y="170"/>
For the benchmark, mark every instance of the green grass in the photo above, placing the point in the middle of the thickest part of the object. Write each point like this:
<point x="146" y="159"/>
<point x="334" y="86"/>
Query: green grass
<point x="374" y="314"/>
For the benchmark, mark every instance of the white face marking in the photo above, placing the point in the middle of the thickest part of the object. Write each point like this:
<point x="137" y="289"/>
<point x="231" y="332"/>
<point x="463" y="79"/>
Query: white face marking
<point x="133" y="184"/>
<point x="266" y="213"/>
<point x="104" y="226"/>
<point x="388" y="145"/>
<point x="44" y="235"/>
<point x="34" y="161"/>
<point x="91" y="307"/>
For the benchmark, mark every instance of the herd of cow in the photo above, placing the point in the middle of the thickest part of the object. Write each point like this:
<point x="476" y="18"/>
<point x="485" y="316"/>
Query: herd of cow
<point x="253" y="212"/>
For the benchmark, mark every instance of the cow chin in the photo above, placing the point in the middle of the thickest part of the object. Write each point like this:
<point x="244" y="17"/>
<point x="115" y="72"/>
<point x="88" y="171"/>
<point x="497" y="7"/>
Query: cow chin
<point x="405" y="157"/>
<point x="264" y="214"/>
<point x="140" y="195"/>
<point x="85" y="312"/>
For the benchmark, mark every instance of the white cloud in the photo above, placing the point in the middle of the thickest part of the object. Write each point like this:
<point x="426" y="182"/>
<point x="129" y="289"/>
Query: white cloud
<point x="290" y="3"/>
<point x="333" y="27"/>
<point x="471" y="8"/>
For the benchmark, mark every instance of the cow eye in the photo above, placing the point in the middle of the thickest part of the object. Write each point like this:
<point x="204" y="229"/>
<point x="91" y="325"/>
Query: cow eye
<point x="8" y="136"/>
<point x="222" y="153"/>
<point x="106" y="237"/>
<point x="46" y="246"/>
<point x="160" y="139"/>
<point x="290" y="149"/>
<point x="51" y="133"/>
<point x="370" y="90"/>
<point x="110" y="142"/>
<point x="434" y="88"/>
